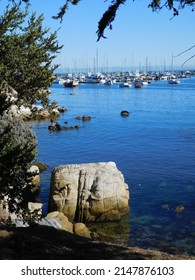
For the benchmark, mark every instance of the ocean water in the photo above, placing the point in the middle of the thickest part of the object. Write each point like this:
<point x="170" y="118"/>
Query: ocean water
<point x="154" y="148"/>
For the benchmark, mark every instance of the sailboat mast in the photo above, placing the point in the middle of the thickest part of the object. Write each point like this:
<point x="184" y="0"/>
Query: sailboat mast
<point x="97" y="66"/>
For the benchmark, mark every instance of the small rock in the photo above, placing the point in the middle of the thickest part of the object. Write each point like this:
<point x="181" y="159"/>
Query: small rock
<point x="179" y="208"/>
<point x="86" y="118"/>
<point x="52" y="215"/>
<point x="54" y="126"/>
<point x="124" y="113"/>
<point x="42" y="166"/>
<point x="35" y="178"/>
<point x="64" y="222"/>
<point x="62" y="109"/>
<point x="82" y="230"/>
<point x="165" y="206"/>
<point x="78" y="118"/>
<point x="35" y="208"/>
<point x="5" y="233"/>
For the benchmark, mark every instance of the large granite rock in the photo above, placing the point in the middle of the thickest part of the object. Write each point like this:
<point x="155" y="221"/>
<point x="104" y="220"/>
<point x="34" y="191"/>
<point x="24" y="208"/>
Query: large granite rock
<point x="89" y="192"/>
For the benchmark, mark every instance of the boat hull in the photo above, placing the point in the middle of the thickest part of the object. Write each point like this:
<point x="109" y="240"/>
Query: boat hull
<point x="71" y="84"/>
<point x="173" y="81"/>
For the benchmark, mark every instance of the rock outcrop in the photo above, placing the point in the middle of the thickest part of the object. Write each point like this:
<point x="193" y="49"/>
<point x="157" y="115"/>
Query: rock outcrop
<point x="26" y="113"/>
<point x="89" y="192"/>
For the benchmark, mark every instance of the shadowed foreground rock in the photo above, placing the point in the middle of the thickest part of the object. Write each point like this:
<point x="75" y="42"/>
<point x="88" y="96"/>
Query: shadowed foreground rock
<point x="43" y="242"/>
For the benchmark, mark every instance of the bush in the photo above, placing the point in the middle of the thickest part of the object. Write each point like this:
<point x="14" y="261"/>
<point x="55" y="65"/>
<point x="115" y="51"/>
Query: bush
<point x="17" y="151"/>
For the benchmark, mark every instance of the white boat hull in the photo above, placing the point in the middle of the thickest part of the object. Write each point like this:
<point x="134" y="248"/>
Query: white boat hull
<point x="173" y="81"/>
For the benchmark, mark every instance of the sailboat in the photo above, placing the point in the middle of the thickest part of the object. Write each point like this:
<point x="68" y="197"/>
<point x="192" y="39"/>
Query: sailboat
<point x="173" y="79"/>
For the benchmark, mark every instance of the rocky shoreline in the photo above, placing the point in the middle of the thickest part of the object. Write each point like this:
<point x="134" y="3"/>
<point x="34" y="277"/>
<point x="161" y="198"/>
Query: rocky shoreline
<point x="47" y="243"/>
<point x="93" y="192"/>
<point x="37" y="112"/>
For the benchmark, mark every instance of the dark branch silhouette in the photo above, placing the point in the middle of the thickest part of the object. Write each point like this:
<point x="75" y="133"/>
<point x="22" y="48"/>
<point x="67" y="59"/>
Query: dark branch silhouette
<point x="109" y="15"/>
<point x="188" y="60"/>
<point x="185" y="51"/>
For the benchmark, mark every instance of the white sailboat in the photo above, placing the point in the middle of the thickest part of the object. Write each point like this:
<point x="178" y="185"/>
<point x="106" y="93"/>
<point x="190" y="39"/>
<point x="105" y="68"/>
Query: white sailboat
<point x="173" y="79"/>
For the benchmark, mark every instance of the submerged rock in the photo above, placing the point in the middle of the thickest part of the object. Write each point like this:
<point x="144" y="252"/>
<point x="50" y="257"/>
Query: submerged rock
<point x="86" y="118"/>
<point x="179" y="208"/>
<point x="58" y="127"/>
<point x="78" y="118"/>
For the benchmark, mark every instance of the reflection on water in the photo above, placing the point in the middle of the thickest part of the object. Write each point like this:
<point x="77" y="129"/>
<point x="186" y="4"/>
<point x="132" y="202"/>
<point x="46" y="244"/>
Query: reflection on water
<point x="154" y="148"/>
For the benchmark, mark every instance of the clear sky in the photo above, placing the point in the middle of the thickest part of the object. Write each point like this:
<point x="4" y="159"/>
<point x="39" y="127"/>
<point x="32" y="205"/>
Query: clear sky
<point x="139" y="37"/>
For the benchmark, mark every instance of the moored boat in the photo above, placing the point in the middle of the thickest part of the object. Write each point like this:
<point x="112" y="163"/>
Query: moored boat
<point x="94" y="79"/>
<point x="71" y="83"/>
<point x="174" y="81"/>
<point x="59" y="81"/>
<point x="125" y="85"/>
<point x="138" y="85"/>
<point x="108" y="82"/>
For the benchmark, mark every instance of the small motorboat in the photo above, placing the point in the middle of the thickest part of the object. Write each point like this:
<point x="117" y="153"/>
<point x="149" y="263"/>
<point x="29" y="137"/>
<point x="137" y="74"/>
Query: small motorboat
<point x="173" y="81"/>
<point x="138" y="85"/>
<point x="125" y="85"/>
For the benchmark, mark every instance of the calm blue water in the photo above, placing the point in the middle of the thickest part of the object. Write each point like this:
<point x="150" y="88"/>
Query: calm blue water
<point x="154" y="148"/>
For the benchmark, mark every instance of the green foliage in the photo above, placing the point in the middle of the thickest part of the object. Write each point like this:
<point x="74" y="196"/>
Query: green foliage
<point x="26" y="56"/>
<point x="27" y="52"/>
<point x="17" y="151"/>
<point x="109" y="16"/>
<point x="65" y="7"/>
<point x="5" y="101"/>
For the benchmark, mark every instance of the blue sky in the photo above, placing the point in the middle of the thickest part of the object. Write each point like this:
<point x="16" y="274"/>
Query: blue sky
<point x="138" y="35"/>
